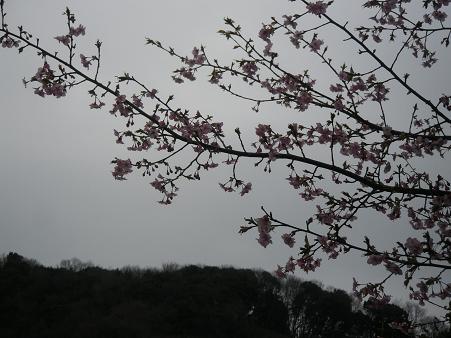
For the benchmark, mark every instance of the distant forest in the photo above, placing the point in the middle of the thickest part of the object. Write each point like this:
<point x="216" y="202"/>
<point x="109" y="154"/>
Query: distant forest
<point x="78" y="299"/>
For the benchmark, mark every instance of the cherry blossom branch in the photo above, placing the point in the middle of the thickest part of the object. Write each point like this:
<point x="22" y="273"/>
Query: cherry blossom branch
<point x="386" y="67"/>
<point x="363" y="180"/>
<point x="342" y="241"/>
<point x="360" y="154"/>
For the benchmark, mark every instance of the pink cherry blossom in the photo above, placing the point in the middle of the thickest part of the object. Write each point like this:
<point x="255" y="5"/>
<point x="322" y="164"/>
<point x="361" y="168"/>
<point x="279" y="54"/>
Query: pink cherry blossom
<point x="264" y="239"/>
<point x="84" y="61"/>
<point x="439" y="15"/>
<point x="250" y="68"/>
<point x="315" y="44"/>
<point x="9" y="42"/>
<point x="80" y="30"/>
<point x="64" y="39"/>
<point x="393" y="268"/>
<point x="266" y="32"/>
<point x="317" y="8"/>
<point x="137" y="101"/>
<point x="279" y="272"/>
<point x="122" y="168"/>
<point x="296" y="39"/>
<point x="288" y="239"/>
<point x="246" y="189"/>
<point x="375" y="259"/>
<point x="152" y="93"/>
<point x="414" y="245"/>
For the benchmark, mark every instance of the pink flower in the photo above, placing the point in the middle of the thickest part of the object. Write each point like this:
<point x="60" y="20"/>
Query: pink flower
<point x="344" y="76"/>
<point x="137" y="101"/>
<point x="187" y="73"/>
<point x="250" y="68"/>
<point x="39" y="91"/>
<point x="197" y="59"/>
<point x="247" y="188"/>
<point x="122" y="168"/>
<point x="215" y="77"/>
<point x="296" y="39"/>
<point x="152" y="93"/>
<point x="317" y="8"/>
<point x="288" y="239"/>
<point x="303" y="100"/>
<point x="57" y="89"/>
<point x="308" y="264"/>
<point x="43" y="72"/>
<point x="379" y="93"/>
<point x="377" y="38"/>
<point x="226" y="188"/>
<point x="439" y="15"/>
<point x="427" y="19"/>
<point x="80" y="30"/>
<point x="262" y="129"/>
<point x="9" y="43"/>
<point x="325" y="217"/>
<point x="290" y="266"/>
<point x="267" y="50"/>
<point x="284" y="143"/>
<point x="296" y="181"/>
<point x="49" y="86"/>
<point x="158" y="184"/>
<point x="337" y="88"/>
<point x="279" y="272"/>
<point x="289" y="21"/>
<point x="375" y="259"/>
<point x="414" y="245"/>
<point x="264" y="227"/>
<point x="265" y="33"/>
<point x="310" y="194"/>
<point x="358" y="85"/>
<point x="393" y="268"/>
<point x="121" y="107"/>
<point x="395" y="213"/>
<point x="316" y="44"/>
<point x="264" y="239"/>
<point x="338" y="104"/>
<point x="264" y="224"/>
<point x="84" y="61"/>
<point x="328" y="246"/>
<point x="64" y="39"/>
<point x="272" y="154"/>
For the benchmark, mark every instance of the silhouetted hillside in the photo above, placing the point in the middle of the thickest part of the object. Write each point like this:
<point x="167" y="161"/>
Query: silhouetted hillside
<point x="81" y="300"/>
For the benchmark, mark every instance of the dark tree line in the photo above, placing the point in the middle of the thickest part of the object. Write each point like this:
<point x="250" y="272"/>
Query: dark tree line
<point x="81" y="300"/>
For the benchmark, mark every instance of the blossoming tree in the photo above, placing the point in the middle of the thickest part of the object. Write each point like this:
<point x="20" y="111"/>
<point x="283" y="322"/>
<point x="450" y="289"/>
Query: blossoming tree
<point x="372" y="163"/>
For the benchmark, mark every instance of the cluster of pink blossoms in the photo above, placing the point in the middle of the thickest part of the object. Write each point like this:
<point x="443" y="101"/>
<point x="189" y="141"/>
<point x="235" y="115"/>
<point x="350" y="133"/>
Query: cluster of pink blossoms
<point x="197" y="59"/>
<point x="8" y="42"/>
<point x="160" y="183"/>
<point x="317" y="8"/>
<point x="49" y="83"/>
<point x="121" y="106"/>
<point x="122" y="168"/>
<point x="329" y="246"/>
<point x="73" y="32"/>
<point x="264" y="228"/>
<point x="86" y="62"/>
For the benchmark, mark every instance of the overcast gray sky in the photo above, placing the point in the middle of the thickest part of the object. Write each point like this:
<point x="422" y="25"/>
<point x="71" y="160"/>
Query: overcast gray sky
<point x="57" y="196"/>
